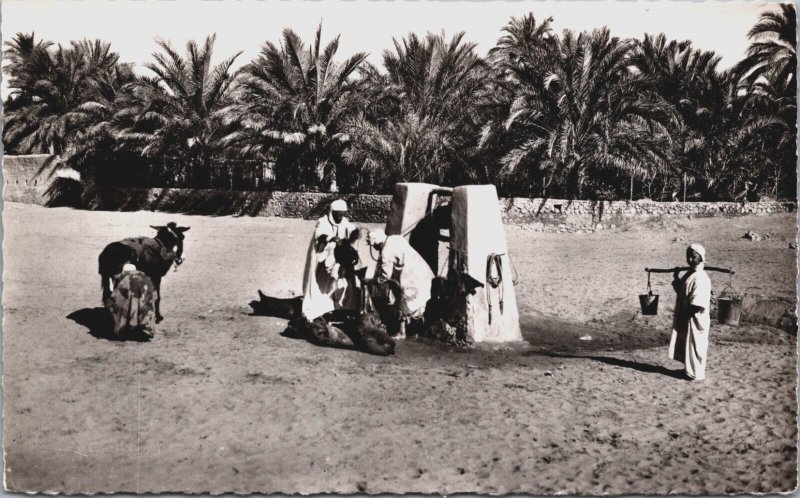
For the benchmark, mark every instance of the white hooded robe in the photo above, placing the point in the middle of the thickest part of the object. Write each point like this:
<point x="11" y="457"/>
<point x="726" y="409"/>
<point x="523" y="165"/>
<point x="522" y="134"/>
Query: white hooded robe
<point x="689" y="342"/>
<point x="325" y="288"/>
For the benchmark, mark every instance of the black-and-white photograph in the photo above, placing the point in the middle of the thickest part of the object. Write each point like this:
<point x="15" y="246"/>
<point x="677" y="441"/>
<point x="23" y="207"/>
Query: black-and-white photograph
<point x="427" y="247"/>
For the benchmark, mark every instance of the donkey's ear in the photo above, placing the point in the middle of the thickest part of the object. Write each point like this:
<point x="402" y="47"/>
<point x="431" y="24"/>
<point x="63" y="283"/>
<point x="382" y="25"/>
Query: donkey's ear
<point x="154" y="227"/>
<point x="182" y="229"/>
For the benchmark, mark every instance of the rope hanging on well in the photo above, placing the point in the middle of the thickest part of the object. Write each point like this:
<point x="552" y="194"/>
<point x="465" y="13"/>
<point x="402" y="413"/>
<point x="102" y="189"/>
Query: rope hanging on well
<point x="494" y="277"/>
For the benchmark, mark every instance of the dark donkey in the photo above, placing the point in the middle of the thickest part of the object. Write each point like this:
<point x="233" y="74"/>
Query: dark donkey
<point x="153" y="256"/>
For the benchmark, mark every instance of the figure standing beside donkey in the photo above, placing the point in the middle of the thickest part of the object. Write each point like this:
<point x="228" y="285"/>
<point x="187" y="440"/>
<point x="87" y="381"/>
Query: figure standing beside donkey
<point x="151" y="256"/>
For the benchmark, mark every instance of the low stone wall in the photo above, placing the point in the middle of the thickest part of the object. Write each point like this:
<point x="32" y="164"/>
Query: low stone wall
<point x="562" y="215"/>
<point x="363" y="208"/>
<point x="28" y="178"/>
<point x="537" y="214"/>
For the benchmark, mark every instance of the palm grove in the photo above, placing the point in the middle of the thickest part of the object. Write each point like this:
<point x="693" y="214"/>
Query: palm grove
<point x="577" y="115"/>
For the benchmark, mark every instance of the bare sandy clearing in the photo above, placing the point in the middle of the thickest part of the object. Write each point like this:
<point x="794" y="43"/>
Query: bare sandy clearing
<point x="219" y="401"/>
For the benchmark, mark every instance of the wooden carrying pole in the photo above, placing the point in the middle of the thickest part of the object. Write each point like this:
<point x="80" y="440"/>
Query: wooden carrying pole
<point x="687" y="268"/>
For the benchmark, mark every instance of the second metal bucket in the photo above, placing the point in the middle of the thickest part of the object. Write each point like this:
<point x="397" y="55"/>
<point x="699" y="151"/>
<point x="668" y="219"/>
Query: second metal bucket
<point x="729" y="310"/>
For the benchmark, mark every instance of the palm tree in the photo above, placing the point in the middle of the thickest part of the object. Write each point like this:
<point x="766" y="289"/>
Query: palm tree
<point x="728" y="142"/>
<point x="180" y="116"/>
<point x="772" y="54"/>
<point x="29" y="61"/>
<point x="407" y="148"/>
<point x="47" y="87"/>
<point x="768" y="86"/>
<point x="689" y="81"/>
<point x="520" y="62"/>
<point x="294" y="102"/>
<point x="587" y="115"/>
<point x="98" y="154"/>
<point x="425" y="128"/>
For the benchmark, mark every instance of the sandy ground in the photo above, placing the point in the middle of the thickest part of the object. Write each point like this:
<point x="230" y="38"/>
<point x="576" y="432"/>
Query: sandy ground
<point x="220" y="401"/>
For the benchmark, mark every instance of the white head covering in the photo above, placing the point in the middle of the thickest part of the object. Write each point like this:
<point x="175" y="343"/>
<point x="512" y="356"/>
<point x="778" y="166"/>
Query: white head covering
<point x="128" y="267"/>
<point x="338" y="205"/>
<point x="376" y="236"/>
<point x="699" y="250"/>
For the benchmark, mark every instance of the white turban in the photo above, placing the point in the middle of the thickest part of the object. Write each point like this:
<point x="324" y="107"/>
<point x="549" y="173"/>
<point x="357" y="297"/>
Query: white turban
<point x="699" y="250"/>
<point x="376" y="236"/>
<point x="338" y="205"/>
<point x="128" y="267"/>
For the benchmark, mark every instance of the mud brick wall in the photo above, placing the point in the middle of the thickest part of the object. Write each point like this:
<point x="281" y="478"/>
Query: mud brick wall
<point x="27" y="178"/>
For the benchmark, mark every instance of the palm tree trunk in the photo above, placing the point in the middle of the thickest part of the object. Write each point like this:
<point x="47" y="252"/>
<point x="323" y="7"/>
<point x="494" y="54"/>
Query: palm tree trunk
<point x="207" y="168"/>
<point x="56" y="148"/>
<point x="326" y="181"/>
<point x="631" y="188"/>
<point x="684" y="186"/>
<point x="575" y="184"/>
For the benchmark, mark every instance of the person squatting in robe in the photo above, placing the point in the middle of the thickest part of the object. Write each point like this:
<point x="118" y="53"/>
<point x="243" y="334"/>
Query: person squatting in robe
<point x="402" y="269"/>
<point x="131" y="303"/>
<point x="692" y="321"/>
<point x="327" y="285"/>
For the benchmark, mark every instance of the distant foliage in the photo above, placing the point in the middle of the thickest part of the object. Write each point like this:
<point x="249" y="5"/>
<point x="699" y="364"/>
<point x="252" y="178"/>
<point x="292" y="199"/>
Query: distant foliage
<point x="419" y="122"/>
<point x="577" y="115"/>
<point x="180" y="116"/>
<point x="293" y="102"/>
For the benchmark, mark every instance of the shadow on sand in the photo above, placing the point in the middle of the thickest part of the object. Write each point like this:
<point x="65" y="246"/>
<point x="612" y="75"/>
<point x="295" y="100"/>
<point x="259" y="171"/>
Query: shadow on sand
<point x="101" y="325"/>
<point x="618" y="362"/>
<point x="553" y="337"/>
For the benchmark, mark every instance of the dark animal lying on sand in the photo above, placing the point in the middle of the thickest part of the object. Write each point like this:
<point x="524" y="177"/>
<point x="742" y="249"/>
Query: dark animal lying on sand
<point x="371" y="336"/>
<point x="280" y="308"/>
<point x="324" y="333"/>
<point x="365" y="333"/>
<point x="153" y="256"/>
<point x="318" y="331"/>
<point x="337" y="329"/>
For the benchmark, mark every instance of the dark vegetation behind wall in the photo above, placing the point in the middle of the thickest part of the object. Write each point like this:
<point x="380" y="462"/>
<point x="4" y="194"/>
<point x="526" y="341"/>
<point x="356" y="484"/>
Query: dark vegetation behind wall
<point x="544" y="114"/>
<point x="23" y="184"/>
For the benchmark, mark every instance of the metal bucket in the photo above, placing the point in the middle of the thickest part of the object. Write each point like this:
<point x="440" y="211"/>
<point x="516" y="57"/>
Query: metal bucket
<point x="729" y="310"/>
<point x="649" y="303"/>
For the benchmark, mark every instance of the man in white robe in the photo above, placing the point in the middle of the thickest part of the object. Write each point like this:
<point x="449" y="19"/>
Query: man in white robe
<point x="692" y="321"/>
<point x="326" y="285"/>
<point x="399" y="262"/>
